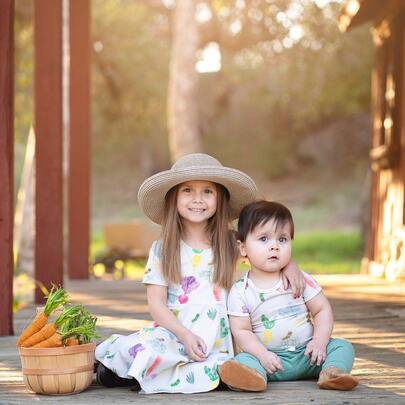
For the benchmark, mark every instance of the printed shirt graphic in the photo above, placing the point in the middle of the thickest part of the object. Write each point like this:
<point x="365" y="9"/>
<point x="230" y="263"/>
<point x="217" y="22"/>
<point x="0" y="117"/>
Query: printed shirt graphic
<point x="278" y="320"/>
<point x="154" y="355"/>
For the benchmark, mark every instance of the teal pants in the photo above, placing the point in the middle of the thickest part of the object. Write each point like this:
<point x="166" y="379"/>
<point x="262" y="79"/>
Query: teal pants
<point x="297" y="366"/>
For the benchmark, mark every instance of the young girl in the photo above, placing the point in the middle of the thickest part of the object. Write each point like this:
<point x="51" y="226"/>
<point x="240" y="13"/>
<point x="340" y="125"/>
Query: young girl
<point x="187" y="276"/>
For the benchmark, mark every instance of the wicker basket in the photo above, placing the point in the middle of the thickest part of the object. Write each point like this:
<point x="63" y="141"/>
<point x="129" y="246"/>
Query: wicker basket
<point x="59" y="370"/>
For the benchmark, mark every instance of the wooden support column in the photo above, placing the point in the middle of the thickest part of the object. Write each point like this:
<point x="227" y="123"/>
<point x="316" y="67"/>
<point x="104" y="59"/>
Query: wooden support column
<point x="48" y="147"/>
<point x="401" y="108"/>
<point x="6" y="164"/>
<point x="79" y="139"/>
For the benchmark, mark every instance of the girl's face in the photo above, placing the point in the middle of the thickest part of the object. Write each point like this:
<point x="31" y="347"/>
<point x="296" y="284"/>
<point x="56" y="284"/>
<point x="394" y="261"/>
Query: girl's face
<point x="196" y="201"/>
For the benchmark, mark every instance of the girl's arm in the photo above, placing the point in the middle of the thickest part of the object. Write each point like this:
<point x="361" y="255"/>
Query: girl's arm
<point x="293" y="276"/>
<point x="157" y="297"/>
<point x="322" y="314"/>
<point x="248" y="342"/>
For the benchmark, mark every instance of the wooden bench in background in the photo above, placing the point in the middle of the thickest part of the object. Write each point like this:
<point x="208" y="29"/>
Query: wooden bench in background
<point x="126" y="241"/>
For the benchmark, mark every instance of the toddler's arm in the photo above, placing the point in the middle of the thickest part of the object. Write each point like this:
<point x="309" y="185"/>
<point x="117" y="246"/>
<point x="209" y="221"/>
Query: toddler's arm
<point x="323" y="325"/>
<point x="293" y="276"/>
<point x="248" y="342"/>
<point x="157" y="297"/>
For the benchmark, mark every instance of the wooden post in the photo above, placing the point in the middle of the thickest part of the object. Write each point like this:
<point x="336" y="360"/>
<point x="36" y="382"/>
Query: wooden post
<point x="6" y="164"/>
<point x="401" y="98"/>
<point x="79" y="139"/>
<point x="48" y="147"/>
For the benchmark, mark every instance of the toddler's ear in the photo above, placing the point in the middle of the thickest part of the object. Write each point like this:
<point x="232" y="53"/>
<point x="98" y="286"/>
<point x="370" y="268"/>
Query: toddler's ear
<point x="241" y="248"/>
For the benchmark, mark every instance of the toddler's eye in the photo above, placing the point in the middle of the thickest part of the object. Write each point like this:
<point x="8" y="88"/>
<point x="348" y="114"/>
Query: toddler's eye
<point x="186" y="189"/>
<point x="282" y="239"/>
<point x="263" y="238"/>
<point x="208" y="191"/>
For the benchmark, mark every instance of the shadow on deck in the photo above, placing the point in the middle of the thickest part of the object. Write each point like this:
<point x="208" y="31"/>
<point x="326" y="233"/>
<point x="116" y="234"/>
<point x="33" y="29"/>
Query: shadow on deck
<point x="368" y="312"/>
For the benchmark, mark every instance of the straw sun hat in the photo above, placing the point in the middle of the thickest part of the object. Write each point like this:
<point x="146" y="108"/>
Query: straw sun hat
<point x="196" y="166"/>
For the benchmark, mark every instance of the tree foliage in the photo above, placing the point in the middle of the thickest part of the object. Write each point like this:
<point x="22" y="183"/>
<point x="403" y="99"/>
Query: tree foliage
<point x="286" y="71"/>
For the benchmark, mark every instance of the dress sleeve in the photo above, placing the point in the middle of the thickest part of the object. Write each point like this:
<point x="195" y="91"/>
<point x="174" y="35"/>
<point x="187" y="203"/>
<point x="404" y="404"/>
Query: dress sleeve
<point x="153" y="269"/>
<point x="237" y="304"/>
<point x="312" y="288"/>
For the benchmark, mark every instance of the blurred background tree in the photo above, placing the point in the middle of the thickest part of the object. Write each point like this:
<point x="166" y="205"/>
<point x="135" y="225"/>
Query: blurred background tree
<point x="182" y="103"/>
<point x="281" y="93"/>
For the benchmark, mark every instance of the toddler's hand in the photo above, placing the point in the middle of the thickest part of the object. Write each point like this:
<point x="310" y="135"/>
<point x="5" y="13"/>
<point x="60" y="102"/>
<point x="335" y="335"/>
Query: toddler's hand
<point x="316" y="352"/>
<point x="195" y="347"/>
<point x="271" y="362"/>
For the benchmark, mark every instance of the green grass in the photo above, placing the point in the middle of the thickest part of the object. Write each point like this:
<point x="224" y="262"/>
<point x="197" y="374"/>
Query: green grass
<point x="96" y="244"/>
<point x="328" y="252"/>
<point x="316" y="252"/>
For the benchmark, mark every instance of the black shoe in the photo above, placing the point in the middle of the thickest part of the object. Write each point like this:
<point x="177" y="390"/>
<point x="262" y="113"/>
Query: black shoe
<point x="104" y="376"/>
<point x="222" y="386"/>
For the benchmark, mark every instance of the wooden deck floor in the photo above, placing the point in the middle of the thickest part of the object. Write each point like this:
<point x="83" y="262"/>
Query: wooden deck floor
<point x="370" y="313"/>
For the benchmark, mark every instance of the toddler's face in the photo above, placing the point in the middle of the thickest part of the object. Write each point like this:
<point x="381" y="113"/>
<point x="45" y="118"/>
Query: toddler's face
<point x="196" y="201"/>
<point x="267" y="247"/>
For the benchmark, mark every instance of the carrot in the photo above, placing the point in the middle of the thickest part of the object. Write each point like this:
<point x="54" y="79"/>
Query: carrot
<point x="46" y="332"/>
<point x="71" y="341"/>
<point x="35" y="326"/>
<point x="54" y="341"/>
<point x="54" y="300"/>
<point x="87" y="331"/>
<point x="49" y="329"/>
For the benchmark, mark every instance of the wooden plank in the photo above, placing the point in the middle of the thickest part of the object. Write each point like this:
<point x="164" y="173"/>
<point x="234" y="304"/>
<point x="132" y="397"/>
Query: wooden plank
<point x="369" y="312"/>
<point x="48" y="148"/>
<point x="79" y="140"/>
<point x="6" y="164"/>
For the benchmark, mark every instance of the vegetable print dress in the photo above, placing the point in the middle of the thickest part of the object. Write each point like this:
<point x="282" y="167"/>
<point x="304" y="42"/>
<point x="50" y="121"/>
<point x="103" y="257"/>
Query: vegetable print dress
<point x="154" y="355"/>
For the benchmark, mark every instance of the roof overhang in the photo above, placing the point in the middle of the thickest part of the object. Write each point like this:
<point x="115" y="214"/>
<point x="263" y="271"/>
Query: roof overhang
<point x="357" y="12"/>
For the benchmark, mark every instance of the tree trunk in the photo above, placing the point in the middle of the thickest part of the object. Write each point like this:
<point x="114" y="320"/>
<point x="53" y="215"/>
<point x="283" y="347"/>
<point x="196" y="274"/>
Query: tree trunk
<point x="184" y="134"/>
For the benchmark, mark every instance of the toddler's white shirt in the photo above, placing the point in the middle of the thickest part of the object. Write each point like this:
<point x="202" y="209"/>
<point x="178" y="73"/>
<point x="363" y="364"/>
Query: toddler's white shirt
<point x="280" y="321"/>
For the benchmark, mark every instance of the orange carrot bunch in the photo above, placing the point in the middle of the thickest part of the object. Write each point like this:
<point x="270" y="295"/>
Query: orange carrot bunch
<point x="74" y="325"/>
<point x="55" y="298"/>
<point x="86" y="331"/>
<point x="50" y="328"/>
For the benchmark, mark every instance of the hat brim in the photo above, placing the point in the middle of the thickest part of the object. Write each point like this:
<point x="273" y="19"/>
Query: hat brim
<point x="242" y="189"/>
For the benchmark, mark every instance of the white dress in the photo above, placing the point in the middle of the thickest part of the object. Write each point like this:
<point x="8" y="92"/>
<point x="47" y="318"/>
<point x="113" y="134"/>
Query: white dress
<point x="154" y="355"/>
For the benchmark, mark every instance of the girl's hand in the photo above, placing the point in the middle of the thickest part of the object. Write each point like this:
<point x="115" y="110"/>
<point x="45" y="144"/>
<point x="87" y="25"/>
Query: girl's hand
<point x="316" y="352"/>
<point x="271" y="362"/>
<point x="293" y="276"/>
<point x="194" y="346"/>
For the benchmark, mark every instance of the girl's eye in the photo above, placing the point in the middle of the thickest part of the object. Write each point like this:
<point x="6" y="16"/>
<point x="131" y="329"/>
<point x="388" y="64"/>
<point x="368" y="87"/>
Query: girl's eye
<point x="283" y="239"/>
<point x="263" y="238"/>
<point x="186" y="189"/>
<point x="208" y="191"/>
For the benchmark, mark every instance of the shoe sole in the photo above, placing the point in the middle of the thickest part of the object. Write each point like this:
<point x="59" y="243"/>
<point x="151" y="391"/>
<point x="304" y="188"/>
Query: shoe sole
<point x="240" y="377"/>
<point x="344" y="382"/>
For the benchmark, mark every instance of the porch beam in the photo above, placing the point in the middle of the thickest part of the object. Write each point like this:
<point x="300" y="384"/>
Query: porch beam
<point x="48" y="147"/>
<point x="6" y="164"/>
<point x="79" y="140"/>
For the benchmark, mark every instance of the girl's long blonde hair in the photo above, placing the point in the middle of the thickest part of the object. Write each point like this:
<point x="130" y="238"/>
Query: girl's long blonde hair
<point x="220" y="234"/>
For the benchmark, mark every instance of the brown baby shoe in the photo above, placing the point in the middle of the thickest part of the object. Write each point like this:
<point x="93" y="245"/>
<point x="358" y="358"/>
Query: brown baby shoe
<point x="241" y="378"/>
<point x="333" y="378"/>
